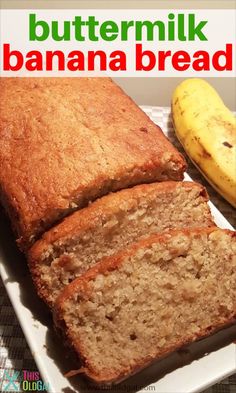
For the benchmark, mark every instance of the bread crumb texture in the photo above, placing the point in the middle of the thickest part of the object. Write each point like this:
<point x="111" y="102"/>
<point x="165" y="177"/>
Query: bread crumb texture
<point x="138" y="306"/>
<point x="111" y="224"/>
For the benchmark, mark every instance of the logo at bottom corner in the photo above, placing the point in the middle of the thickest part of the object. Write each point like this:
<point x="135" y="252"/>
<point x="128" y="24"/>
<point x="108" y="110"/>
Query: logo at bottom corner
<point x="24" y="380"/>
<point x="11" y="381"/>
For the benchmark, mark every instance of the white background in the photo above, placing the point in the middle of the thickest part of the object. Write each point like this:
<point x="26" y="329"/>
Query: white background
<point x="219" y="30"/>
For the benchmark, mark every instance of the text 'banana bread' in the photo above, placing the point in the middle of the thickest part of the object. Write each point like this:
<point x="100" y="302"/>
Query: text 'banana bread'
<point x="109" y="225"/>
<point x="67" y="141"/>
<point x="164" y="292"/>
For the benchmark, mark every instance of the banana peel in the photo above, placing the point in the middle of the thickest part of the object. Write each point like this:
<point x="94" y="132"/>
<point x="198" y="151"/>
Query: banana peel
<point x="206" y="128"/>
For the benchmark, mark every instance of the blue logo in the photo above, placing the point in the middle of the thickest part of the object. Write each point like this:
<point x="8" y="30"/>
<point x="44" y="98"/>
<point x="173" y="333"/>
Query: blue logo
<point x="11" y="383"/>
<point x="24" y="380"/>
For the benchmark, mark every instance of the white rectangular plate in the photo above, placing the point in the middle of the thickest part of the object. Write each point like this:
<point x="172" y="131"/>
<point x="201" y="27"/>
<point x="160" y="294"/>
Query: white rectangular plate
<point x="174" y="374"/>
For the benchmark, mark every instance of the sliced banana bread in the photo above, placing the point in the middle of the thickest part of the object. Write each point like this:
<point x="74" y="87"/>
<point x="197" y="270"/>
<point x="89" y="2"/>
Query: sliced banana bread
<point x="139" y="305"/>
<point x="67" y="141"/>
<point x="109" y="225"/>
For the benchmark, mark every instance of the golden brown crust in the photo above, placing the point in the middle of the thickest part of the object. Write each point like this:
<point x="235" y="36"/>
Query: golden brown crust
<point x="55" y="244"/>
<point x="66" y="141"/>
<point x="110" y="204"/>
<point x="108" y="264"/>
<point x="81" y="287"/>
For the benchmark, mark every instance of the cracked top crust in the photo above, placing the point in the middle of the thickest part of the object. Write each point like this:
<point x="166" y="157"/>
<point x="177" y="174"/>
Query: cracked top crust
<point x="66" y="141"/>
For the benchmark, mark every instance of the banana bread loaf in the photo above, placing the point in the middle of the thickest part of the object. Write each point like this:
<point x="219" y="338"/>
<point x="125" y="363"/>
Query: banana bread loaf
<point x="109" y="225"/>
<point x="137" y="306"/>
<point x="67" y="141"/>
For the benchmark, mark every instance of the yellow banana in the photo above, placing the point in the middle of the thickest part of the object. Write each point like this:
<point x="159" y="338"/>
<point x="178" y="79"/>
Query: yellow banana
<point x="207" y="131"/>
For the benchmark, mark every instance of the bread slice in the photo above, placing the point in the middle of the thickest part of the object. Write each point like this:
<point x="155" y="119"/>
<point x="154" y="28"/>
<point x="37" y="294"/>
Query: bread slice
<point x="67" y="141"/>
<point x="109" y="225"/>
<point x="139" y="305"/>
